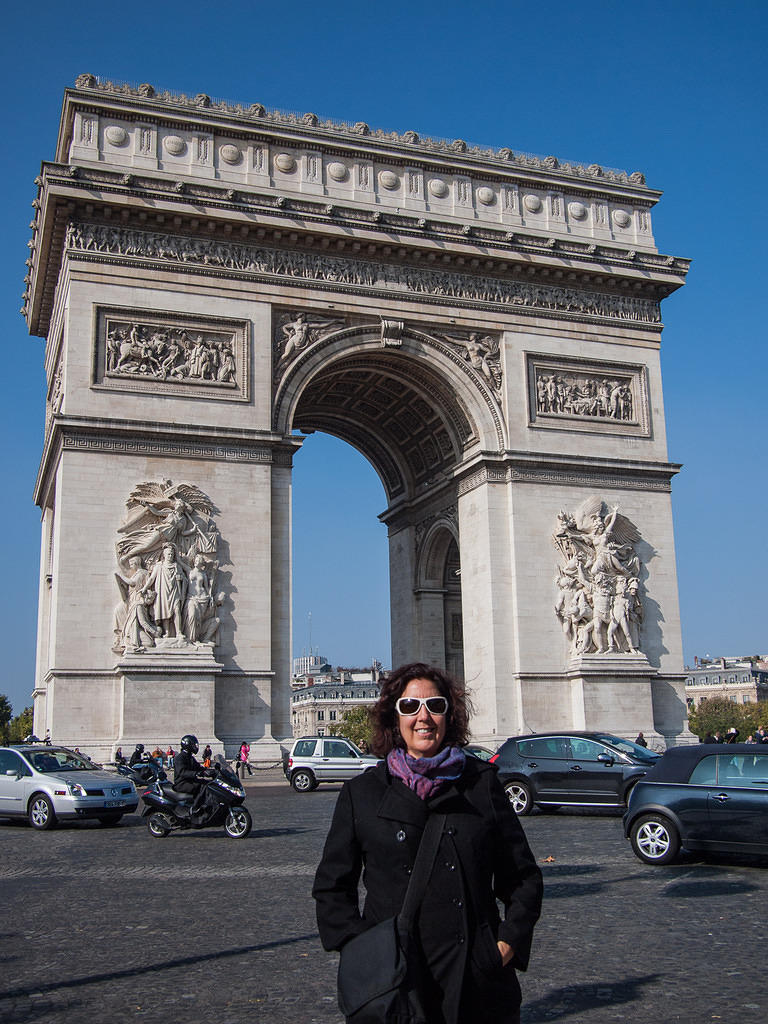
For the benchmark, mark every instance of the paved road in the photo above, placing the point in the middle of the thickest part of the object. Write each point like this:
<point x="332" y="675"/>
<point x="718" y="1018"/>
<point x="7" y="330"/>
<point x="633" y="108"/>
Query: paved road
<point x="91" y="922"/>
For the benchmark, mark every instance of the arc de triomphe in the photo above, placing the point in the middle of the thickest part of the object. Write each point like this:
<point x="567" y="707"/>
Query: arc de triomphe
<point x="214" y="281"/>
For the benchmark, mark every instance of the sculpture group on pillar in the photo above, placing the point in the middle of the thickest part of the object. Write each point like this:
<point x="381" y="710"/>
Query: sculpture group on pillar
<point x="167" y="569"/>
<point x="598" y="602"/>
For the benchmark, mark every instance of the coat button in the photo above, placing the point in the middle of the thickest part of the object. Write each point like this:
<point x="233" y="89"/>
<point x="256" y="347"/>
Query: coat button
<point x="450" y="866"/>
<point x="400" y="837"/>
<point x="451" y="831"/>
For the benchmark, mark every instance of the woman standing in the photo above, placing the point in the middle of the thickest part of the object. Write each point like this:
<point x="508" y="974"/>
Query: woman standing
<point x="242" y="760"/>
<point x="468" y="953"/>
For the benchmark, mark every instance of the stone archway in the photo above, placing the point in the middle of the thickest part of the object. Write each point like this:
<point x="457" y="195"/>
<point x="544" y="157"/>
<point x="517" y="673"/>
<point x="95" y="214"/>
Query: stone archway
<point x="438" y="595"/>
<point x="484" y="328"/>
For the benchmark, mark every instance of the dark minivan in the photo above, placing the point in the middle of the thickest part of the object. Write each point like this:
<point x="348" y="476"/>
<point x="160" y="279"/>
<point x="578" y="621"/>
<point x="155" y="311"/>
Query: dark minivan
<point x="573" y="769"/>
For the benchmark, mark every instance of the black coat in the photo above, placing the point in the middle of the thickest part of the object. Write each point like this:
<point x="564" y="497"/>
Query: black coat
<point x="185" y="771"/>
<point x="483" y="856"/>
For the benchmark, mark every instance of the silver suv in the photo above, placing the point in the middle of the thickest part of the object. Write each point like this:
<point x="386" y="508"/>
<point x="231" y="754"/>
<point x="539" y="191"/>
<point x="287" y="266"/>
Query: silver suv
<point x="316" y="759"/>
<point x="45" y="783"/>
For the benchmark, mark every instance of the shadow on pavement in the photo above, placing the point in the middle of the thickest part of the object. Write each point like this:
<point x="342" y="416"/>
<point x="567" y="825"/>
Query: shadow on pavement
<point x="144" y="970"/>
<point x="696" y="888"/>
<point x="580" y="999"/>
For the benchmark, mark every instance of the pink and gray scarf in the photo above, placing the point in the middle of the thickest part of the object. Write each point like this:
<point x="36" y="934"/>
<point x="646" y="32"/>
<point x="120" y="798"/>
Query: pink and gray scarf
<point x="426" y="776"/>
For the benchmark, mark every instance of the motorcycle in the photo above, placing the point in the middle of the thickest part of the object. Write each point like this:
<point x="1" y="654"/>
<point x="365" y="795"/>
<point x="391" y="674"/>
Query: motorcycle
<point x="142" y="773"/>
<point x="220" y="803"/>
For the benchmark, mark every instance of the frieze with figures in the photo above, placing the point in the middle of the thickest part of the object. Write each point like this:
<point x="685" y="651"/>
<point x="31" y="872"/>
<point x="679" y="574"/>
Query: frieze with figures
<point x="308" y="267"/>
<point x="169" y="354"/>
<point x="585" y="394"/>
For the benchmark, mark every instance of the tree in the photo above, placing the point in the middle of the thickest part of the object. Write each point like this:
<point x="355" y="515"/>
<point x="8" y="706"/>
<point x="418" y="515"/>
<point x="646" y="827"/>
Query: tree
<point x="21" y="726"/>
<point x="355" y="725"/>
<point x="6" y="713"/>
<point x="718" y="714"/>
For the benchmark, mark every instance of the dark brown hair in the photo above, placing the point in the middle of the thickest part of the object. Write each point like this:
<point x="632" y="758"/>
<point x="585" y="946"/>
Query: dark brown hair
<point x="386" y="732"/>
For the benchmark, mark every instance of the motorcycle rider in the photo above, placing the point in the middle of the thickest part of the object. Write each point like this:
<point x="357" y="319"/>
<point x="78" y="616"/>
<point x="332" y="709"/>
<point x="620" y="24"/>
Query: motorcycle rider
<point x="137" y="755"/>
<point x="188" y="773"/>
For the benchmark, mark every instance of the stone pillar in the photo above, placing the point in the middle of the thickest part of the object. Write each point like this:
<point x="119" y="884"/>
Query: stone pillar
<point x="179" y="688"/>
<point x="488" y="604"/>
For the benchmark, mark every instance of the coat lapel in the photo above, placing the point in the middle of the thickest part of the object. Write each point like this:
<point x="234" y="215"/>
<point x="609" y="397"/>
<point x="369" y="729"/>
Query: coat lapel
<point x="400" y="803"/>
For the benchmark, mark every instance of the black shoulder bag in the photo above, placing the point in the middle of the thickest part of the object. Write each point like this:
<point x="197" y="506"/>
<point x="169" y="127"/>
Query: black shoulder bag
<point x="376" y="981"/>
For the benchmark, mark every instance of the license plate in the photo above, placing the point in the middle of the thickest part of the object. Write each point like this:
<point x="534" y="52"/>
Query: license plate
<point x="113" y="803"/>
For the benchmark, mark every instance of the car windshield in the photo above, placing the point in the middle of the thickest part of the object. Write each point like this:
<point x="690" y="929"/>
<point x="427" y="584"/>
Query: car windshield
<point x="628" y="747"/>
<point x="55" y="759"/>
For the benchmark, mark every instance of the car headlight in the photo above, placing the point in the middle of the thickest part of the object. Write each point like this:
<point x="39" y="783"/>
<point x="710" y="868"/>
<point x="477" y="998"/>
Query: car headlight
<point x="76" y="789"/>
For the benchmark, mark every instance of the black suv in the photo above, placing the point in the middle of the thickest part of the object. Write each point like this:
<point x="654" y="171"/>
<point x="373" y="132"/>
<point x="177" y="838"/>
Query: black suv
<point x="577" y="769"/>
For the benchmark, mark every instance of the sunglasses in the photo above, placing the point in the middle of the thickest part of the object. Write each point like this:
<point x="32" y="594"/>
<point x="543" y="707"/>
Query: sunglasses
<point x="410" y="706"/>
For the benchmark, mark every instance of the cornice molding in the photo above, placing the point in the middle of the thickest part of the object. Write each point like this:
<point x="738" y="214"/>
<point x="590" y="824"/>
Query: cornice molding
<point x="167" y="440"/>
<point x="570" y="471"/>
<point x="90" y="88"/>
<point x="152" y="200"/>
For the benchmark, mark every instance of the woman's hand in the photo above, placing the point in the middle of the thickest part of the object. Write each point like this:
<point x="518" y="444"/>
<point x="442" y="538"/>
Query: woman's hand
<point x="506" y="951"/>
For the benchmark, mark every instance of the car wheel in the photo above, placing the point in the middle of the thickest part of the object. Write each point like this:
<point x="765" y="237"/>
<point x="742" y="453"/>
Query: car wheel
<point x="158" y="825"/>
<point x="108" y="820"/>
<point x="519" y="796"/>
<point x="238" y="824"/>
<point x="303" y="781"/>
<point x="655" y="839"/>
<point x="41" y="813"/>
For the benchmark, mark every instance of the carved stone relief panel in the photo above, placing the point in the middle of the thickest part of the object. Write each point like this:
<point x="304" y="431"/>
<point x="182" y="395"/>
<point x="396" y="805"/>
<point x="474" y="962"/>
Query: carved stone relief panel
<point x="171" y="353"/>
<point x="296" y="330"/>
<point x="481" y="352"/>
<point x="587" y="395"/>
<point x="56" y="394"/>
<point x="598" y="583"/>
<point x="309" y="268"/>
<point x="167" y="571"/>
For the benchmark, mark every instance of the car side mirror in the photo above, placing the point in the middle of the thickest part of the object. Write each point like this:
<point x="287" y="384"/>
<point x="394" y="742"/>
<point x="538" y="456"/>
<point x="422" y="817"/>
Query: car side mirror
<point x="605" y="759"/>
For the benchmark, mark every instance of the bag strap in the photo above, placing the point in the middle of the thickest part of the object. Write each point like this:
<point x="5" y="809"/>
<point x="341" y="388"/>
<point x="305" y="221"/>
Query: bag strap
<point x="422" y="868"/>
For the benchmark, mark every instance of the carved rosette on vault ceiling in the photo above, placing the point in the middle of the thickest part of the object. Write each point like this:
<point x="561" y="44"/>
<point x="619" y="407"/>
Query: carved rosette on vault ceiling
<point x="168" y="565"/>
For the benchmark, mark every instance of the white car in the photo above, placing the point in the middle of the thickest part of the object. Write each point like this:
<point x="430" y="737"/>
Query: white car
<point x="45" y="783"/>
<point x="316" y="759"/>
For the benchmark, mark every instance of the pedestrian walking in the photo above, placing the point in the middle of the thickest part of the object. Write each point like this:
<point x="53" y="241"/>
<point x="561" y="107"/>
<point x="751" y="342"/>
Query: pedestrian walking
<point x="640" y="740"/>
<point x="464" y="956"/>
<point x="242" y="760"/>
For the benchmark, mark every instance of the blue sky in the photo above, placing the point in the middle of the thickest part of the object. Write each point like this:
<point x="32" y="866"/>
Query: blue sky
<point x="674" y="89"/>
